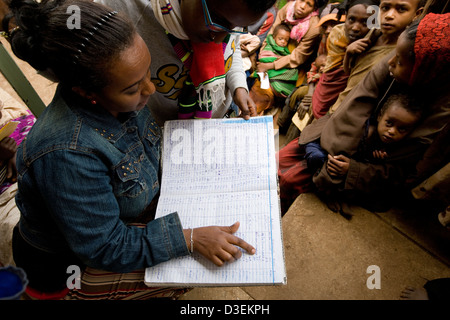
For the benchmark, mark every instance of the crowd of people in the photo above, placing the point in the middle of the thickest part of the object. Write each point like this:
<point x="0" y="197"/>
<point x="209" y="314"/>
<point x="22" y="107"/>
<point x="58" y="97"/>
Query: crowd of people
<point x="375" y="88"/>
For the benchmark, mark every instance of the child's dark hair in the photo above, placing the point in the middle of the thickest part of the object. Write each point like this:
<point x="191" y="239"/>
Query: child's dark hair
<point x="344" y="6"/>
<point x="320" y="4"/>
<point x="408" y="101"/>
<point x="74" y="55"/>
<point x="281" y="26"/>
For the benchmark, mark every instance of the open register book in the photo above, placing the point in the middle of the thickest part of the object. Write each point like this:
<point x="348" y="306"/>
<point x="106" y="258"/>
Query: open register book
<point x="217" y="172"/>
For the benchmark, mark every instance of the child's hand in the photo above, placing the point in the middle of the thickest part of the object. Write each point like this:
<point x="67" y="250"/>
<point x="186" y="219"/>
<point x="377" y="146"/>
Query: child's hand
<point x="358" y="46"/>
<point x="338" y="165"/>
<point x="378" y="154"/>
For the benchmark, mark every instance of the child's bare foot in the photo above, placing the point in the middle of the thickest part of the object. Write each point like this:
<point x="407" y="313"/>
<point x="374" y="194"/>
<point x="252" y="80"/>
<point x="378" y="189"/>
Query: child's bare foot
<point x="410" y="293"/>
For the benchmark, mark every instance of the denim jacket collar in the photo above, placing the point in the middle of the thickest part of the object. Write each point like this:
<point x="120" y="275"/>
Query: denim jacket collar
<point x="97" y="117"/>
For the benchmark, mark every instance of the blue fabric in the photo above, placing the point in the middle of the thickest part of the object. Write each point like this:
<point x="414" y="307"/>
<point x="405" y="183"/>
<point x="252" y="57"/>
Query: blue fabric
<point x="83" y="175"/>
<point x="10" y="284"/>
<point x="315" y="156"/>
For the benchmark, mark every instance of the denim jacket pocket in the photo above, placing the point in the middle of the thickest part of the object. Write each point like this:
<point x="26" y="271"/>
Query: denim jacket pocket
<point x="153" y="136"/>
<point x="128" y="181"/>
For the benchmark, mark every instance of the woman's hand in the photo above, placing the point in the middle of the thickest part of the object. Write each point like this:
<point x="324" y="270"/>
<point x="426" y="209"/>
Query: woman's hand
<point x="264" y="66"/>
<point x="337" y="166"/>
<point x="11" y="170"/>
<point x="8" y="148"/>
<point x="218" y="244"/>
<point x="304" y="106"/>
<point x="245" y="103"/>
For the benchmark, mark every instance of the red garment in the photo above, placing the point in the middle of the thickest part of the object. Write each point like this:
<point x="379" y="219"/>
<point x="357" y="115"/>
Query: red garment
<point x="330" y="85"/>
<point x="294" y="176"/>
<point x="206" y="86"/>
<point x="207" y="62"/>
<point x="267" y="24"/>
<point x="38" y="295"/>
<point x="431" y="48"/>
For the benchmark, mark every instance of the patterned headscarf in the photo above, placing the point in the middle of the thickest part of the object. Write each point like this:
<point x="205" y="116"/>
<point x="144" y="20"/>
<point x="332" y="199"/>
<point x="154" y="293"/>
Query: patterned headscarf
<point x="431" y="48"/>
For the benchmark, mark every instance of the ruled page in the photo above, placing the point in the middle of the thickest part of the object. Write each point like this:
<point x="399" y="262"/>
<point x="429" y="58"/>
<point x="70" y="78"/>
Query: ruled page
<point x="218" y="172"/>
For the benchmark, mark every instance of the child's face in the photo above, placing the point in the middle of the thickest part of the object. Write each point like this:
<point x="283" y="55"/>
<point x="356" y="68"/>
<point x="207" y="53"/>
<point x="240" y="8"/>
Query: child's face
<point x="282" y="38"/>
<point x="326" y="27"/>
<point x="356" y="22"/>
<point x="401" y="65"/>
<point x="396" y="15"/>
<point x="320" y="62"/>
<point x="396" y="123"/>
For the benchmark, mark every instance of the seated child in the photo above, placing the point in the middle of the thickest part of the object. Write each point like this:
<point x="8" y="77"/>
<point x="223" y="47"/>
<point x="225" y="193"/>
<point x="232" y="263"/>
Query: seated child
<point x="317" y="67"/>
<point x="397" y="118"/>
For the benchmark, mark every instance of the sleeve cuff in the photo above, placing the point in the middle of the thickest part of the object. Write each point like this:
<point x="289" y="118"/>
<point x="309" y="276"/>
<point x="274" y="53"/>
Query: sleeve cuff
<point x="174" y="240"/>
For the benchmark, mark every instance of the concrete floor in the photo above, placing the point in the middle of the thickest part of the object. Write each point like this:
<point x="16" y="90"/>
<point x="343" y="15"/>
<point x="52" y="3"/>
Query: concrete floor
<point x="328" y="256"/>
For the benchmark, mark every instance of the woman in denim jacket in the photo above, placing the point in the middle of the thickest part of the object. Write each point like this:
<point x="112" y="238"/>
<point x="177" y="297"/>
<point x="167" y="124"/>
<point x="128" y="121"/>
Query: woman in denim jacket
<point x="89" y="169"/>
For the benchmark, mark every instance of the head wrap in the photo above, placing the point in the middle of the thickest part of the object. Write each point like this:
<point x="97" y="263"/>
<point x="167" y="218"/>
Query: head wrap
<point x="431" y="48"/>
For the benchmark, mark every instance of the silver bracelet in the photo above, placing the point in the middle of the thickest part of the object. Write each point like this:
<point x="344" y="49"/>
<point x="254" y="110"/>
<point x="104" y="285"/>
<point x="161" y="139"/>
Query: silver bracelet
<point x="192" y="241"/>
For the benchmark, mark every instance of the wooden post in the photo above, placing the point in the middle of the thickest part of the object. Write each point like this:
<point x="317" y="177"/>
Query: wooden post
<point x="20" y="83"/>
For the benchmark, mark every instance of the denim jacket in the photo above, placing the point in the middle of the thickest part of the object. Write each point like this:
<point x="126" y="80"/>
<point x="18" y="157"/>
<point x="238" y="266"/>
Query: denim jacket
<point x="83" y="174"/>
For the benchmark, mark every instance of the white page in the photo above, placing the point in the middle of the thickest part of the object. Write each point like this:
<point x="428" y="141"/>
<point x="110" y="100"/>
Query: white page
<point x="217" y="172"/>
